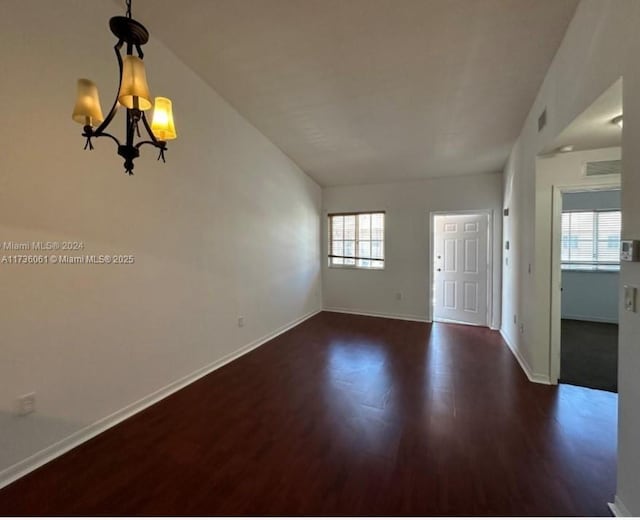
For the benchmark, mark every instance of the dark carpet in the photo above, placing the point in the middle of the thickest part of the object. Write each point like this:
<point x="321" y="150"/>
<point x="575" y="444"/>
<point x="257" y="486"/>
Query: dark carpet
<point x="589" y="354"/>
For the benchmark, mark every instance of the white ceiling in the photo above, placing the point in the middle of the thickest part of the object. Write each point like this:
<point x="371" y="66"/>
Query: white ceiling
<point x="593" y="128"/>
<point x="361" y="91"/>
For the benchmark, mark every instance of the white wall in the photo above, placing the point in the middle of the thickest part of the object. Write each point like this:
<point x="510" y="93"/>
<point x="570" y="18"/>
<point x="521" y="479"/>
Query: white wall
<point x="590" y="295"/>
<point x="601" y="45"/>
<point x="228" y="227"/>
<point x="527" y="266"/>
<point x="408" y="206"/>
<point x="564" y="171"/>
<point x="595" y="199"/>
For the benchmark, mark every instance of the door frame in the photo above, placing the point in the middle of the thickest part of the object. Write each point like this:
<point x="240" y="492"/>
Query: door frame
<point x="432" y="240"/>
<point x="555" y="287"/>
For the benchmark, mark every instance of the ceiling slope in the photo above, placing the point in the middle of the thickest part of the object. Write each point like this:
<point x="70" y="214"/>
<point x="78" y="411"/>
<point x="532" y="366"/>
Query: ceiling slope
<point x="362" y="91"/>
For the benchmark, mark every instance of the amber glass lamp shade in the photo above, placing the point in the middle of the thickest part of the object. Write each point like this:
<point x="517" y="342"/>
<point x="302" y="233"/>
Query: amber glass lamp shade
<point x="162" y="124"/>
<point x="87" y="110"/>
<point x="134" y="91"/>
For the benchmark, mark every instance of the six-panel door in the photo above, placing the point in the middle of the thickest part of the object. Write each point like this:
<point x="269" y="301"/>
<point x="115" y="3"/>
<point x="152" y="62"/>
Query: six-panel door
<point x="460" y="268"/>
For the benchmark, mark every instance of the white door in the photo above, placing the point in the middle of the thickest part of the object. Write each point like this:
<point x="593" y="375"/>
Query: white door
<point x="460" y="268"/>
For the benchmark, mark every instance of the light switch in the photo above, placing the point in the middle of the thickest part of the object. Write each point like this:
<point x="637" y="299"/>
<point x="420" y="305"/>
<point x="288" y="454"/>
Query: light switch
<point x="630" y="250"/>
<point x="630" y="298"/>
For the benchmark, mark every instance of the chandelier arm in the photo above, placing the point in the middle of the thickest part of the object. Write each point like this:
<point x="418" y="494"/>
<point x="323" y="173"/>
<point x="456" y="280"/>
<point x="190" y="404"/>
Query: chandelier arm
<point x="114" y="108"/>
<point x="158" y="144"/>
<point x="154" y="140"/>
<point x="106" y="134"/>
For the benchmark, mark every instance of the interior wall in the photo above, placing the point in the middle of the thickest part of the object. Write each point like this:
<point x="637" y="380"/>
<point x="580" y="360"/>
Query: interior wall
<point x="228" y="227"/>
<point x="407" y="242"/>
<point x="564" y="170"/>
<point x="526" y="331"/>
<point x="588" y="200"/>
<point x="601" y="45"/>
<point x="590" y="295"/>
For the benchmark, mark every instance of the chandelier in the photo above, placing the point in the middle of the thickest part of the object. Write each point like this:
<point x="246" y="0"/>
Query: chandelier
<point x="133" y="95"/>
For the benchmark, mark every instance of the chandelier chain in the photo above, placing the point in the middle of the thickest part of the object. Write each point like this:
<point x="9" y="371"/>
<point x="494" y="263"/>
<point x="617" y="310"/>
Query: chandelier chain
<point x="128" y="8"/>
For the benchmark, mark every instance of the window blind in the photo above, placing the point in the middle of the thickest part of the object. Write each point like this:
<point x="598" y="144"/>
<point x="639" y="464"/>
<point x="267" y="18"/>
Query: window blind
<point x="591" y="240"/>
<point x="357" y="240"/>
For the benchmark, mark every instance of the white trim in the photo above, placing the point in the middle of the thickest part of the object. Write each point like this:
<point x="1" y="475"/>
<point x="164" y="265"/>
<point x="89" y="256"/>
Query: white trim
<point x="405" y="317"/>
<point x="592" y="271"/>
<point x="357" y="268"/>
<point x="618" y="508"/>
<point x="18" y="470"/>
<point x="555" y="282"/>
<point x="490" y="238"/>
<point x="589" y="318"/>
<point x="542" y="379"/>
<point x="459" y="322"/>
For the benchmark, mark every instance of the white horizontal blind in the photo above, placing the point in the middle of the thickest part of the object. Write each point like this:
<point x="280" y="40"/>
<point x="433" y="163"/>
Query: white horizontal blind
<point x="590" y="240"/>
<point x="608" y="237"/>
<point x="357" y="240"/>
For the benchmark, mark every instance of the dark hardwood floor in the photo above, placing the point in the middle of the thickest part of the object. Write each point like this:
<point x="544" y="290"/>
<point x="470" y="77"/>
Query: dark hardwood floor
<point x="348" y="415"/>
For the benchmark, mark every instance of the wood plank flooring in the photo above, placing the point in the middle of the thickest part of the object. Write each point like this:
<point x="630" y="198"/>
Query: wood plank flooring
<point x="348" y="415"/>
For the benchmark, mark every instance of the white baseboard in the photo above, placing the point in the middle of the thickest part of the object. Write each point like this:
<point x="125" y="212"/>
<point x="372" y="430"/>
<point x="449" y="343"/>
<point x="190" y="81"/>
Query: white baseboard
<point x="618" y="508"/>
<point x="589" y="318"/>
<point x="53" y="451"/>
<point x="458" y="322"/>
<point x="406" y="317"/>
<point x="531" y="375"/>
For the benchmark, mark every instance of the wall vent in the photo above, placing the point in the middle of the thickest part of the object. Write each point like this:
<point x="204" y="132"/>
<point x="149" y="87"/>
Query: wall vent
<point x="542" y="120"/>
<point x="595" y="168"/>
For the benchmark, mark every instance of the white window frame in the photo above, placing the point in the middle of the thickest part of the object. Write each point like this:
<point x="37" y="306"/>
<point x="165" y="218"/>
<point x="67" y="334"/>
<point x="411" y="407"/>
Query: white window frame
<point x="593" y="265"/>
<point x="355" y="214"/>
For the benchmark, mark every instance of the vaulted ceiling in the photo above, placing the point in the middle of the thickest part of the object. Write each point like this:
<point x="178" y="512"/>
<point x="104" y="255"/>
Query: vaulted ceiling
<point x="594" y="128"/>
<point x="361" y="91"/>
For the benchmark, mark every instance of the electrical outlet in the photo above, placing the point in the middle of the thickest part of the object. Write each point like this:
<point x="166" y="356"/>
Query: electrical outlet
<point x="521" y="328"/>
<point x="240" y="321"/>
<point x="398" y="296"/>
<point x="26" y="404"/>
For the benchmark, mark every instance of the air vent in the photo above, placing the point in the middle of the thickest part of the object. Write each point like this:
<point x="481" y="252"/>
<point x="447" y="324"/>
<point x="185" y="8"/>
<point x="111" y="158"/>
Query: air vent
<point x="542" y="120"/>
<point x="595" y="168"/>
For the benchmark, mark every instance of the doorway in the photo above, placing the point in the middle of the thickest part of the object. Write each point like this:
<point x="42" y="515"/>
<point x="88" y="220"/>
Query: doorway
<point x="585" y="159"/>
<point x="590" y="263"/>
<point x="461" y="267"/>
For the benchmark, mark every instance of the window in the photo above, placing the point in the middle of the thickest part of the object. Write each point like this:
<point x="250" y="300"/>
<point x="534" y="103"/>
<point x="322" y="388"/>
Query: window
<point x="357" y="240"/>
<point x="591" y="240"/>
